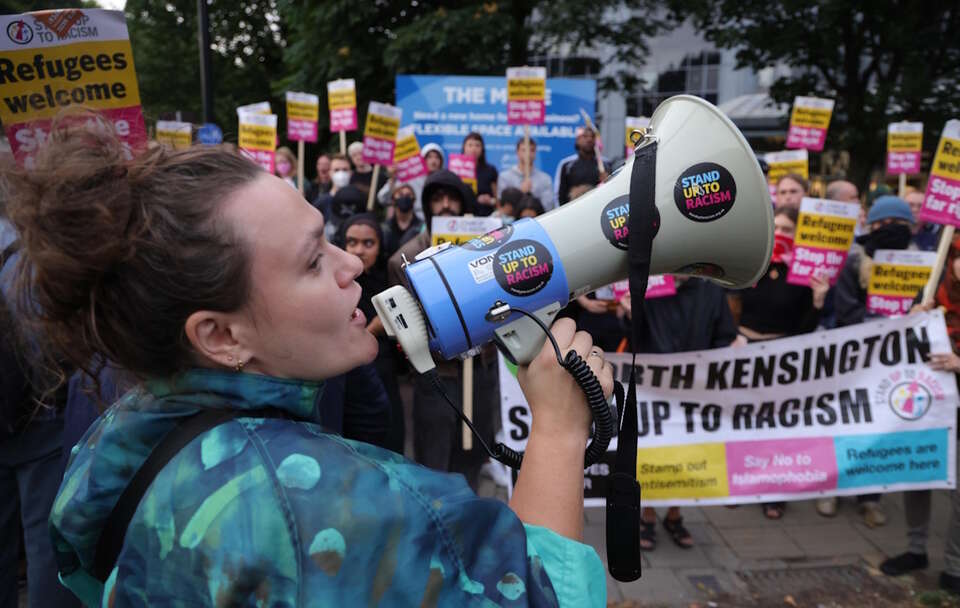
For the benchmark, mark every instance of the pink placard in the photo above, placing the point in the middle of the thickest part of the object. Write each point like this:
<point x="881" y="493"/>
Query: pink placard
<point x="264" y="158"/>
<point x="463" y="166"/>
<point x="343" y="120"/>
<point x="411" y="168"/>
<point x="903" y="162"/>
<point x="527" y="112"/>
<point x="809" y="261"/>
<point x="661" y="286"/>
<point x="26" y="137"/>
<point x="378" y="151"/>
<point x="810" y="138"/>
<point x="888" y="305"/>
<point x="301" y="130"/>
<point x="940" y="204"/>
<point x="781" y="466"/>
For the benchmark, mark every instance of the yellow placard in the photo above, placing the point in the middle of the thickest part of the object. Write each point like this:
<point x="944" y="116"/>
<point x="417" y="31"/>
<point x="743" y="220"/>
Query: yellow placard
<point x="38" y="82"/>
<point x="407" y="147"/>
<point x="303" y="111"/>
<point x="778" y="170"/>
<point x="813" y="118"/>
<point x="257" y="137"/>
<point x="342" y="100"/>
<point x="526" y="89"/>
<point x="686" y="471"/>
<point x="175" y="139"/>
<point x="381" y="127"/>
<point x="898" y="280"/>
<point x="825" y="231"/>
<point x="904" y="142"/>
<point x="456" y="239"/>
<point x="947" y="161"/>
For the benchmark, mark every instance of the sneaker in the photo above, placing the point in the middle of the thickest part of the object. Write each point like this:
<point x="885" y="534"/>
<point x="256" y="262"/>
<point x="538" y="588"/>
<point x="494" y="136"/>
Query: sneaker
<point x="950" y="583"/>
<point x="904" y="563"/>
<point x="827" y="506"/>
<point x="873" y="515"/>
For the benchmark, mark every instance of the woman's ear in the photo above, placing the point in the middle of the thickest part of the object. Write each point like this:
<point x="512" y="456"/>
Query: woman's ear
<point x="214" y="336"/>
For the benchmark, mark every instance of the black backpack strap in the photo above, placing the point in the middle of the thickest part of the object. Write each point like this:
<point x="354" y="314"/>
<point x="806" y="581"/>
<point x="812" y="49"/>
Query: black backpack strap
<point x="115" y="531"/>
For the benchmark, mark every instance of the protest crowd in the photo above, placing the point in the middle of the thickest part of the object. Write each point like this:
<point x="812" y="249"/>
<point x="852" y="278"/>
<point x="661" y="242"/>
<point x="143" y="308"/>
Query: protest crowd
<point x="139" y="291"/>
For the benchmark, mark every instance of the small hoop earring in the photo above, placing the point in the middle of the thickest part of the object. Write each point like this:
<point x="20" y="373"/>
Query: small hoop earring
<point x="239" y="365"/>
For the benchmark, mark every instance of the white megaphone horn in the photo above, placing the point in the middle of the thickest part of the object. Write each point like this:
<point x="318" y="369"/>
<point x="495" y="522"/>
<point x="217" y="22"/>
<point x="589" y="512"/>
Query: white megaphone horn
<point x="716" y="222"/>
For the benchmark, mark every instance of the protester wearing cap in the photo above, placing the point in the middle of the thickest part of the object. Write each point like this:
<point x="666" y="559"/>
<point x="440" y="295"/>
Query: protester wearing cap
<point x="538" y="183"/>
<point x="580" y="169"/>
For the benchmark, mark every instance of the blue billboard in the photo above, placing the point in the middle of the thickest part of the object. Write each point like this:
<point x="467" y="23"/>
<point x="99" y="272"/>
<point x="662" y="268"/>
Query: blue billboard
<point x="443" y="109"/>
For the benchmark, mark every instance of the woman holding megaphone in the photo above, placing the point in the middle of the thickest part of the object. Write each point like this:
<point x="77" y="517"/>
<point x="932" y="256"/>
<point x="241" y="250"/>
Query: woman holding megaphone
<point x="213" y="481"/>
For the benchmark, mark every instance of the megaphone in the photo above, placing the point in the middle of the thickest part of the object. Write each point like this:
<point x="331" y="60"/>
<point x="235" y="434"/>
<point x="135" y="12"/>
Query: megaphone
<point x="716" y="222"/>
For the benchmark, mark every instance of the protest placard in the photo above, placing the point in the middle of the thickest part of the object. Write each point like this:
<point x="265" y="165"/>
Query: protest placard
<point x="658" y="286"/>
<point x="823" y="239"/>
<point x="896" y="278"/>
<point x="849" y="411"/>
<point x="459" y="230"/>
<point x="258" y="138"/>
<point x="783" y="163"/>
<point x="526" y="95"/>
<point x="406" y="157"/>
<point x="53" y="59"/>
<point x="303" y="110"/>
<point x="177" y="135"/>
<point x="261" y="107"/>
<point x="904" y="146"/>
<point x="808" y="123"/>
<point x="633" y="123"/>
<point x="380" y="133"/>
<point x="940" y="204"/>
<point x="464" y="166"/>
<point x="342" y="100"/>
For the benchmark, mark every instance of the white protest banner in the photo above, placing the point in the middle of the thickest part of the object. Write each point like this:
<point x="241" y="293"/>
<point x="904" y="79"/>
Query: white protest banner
<point x="824" y="236"/>
<point x="380" y="133"/>
<point x="464" y="166"/>
<point x="177" y="135"/>
<point x="459" y="230"/>
<point x="57" y="58"/>
<point x="303" y="111"/>
<point x="904" y="147"/>
<point x="941" y="204"/>
<point x="342" y="101"/>
<point x="258" y="138"/>
<point x="526" y="95"/>
<point x="808" y="123"/>
<point x="896" y="278"/>
<point x="634" y="123"/>
<point x="406" y="156"/>
<point x="848" y="411"/>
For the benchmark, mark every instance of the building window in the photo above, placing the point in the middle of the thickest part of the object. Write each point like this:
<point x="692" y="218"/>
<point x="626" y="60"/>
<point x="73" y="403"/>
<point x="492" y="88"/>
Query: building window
<point x="575" y="66"/>
<point x="697" y="74"/>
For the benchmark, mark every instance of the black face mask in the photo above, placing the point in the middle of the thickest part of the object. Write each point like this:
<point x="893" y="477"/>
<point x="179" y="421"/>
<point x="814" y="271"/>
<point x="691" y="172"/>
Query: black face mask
<point x="891" y="236"/>
<point x="404" y="203"/>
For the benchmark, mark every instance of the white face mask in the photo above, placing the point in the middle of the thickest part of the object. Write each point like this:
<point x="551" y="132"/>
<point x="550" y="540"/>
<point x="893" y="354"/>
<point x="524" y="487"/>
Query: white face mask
<point x="340" y="178"/>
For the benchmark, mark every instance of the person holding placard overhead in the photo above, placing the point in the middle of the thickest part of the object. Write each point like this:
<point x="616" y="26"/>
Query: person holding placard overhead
<point x="213" y="481"/>
<point x="525" y="177"/>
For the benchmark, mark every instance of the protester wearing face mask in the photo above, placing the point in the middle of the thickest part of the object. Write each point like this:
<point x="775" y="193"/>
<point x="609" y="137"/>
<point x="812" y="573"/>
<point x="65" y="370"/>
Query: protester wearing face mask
<point x="339" y="178"/>
<point x="286" y="166"/>
<point x="404" y="225"/>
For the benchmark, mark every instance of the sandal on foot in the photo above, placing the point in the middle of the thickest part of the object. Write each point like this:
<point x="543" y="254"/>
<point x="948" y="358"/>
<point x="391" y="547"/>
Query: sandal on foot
<point x="678" y="534"/>
<point x="648" y="535"/>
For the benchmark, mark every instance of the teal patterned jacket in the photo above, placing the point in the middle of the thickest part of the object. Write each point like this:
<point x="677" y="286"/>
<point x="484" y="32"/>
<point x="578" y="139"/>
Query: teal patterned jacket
<point x="271" y="512"/>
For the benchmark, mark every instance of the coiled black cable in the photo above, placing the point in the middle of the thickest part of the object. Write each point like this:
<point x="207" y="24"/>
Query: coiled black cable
<point x="603" y="423"/>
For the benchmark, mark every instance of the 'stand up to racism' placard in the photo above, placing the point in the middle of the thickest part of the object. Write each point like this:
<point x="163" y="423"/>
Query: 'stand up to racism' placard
<point x="849" y="411"/>
<point x="941" y="203"/>
<point x="824" y="235"/>
<point x="896" y="278"/>
<point x="50" y="60"/>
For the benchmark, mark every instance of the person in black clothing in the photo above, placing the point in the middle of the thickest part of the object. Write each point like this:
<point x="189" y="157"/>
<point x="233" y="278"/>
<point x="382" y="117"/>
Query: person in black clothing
<point x="324" y="183"/>
<point x="582" y="170"/>
<point x="486" y="174"/>
<point x="404" y="224"/>
<point x="362" y="236"/>
<point x="697" y="317"/>
<point x="774" y="308"/>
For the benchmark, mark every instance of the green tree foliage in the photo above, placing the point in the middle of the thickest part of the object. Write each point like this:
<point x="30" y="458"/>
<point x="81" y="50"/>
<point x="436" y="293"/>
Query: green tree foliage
<point x="247" y="39"/>
<point x="882" y="61"/>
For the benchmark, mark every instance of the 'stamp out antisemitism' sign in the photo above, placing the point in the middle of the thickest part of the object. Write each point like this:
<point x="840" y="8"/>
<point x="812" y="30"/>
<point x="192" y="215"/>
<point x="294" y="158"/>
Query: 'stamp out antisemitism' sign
<point x="380" y="133"/>
<point x="904" y="145"/>
<point x="50" y="60"/>
<point x="941" y="204"/>
<point x="824" y="236"/>
<point x="342" y="100"/>
<point x="809" y="122"/>
<point x="526" y="95"/>
<point x="303" y="110"/>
